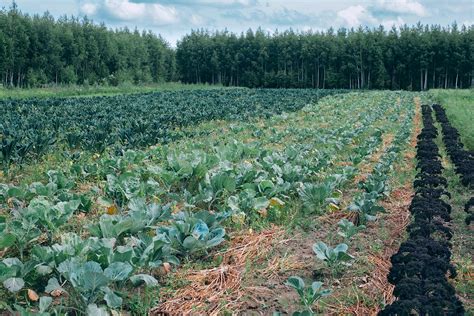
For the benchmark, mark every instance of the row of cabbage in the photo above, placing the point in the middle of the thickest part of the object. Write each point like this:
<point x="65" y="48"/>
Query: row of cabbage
<point x="32" y="127"/>
<point x="364" y="208"/>
<point x="169" y="204"/>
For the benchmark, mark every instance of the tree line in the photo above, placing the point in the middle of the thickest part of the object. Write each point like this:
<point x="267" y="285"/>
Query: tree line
<point x="414" y="58"/>
<point x="40" y="50"/>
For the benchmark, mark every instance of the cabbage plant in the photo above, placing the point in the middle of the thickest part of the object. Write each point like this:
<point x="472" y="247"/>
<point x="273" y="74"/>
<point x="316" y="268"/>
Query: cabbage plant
<point x="308" y="295"/>
<point x="334" y="258"/>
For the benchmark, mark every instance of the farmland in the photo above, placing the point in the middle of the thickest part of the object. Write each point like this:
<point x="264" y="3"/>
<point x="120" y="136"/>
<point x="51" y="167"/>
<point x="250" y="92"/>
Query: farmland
<point x="227" y="200"/>
<point x="31" y="127"/>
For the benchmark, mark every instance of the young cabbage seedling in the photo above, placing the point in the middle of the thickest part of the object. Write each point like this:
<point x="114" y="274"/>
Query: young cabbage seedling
<point x="347" y="229"/>
<point x="334" y="258"/>
<point x="308" y="295"/>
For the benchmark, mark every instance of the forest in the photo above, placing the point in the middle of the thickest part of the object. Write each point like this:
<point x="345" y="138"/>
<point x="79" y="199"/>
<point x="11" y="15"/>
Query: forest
<point x="413" y="58"/>
<point x="41" y="50"/>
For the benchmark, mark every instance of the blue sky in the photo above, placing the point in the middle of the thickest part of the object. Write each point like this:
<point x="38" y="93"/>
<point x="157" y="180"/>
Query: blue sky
<point x="174" y="18"/>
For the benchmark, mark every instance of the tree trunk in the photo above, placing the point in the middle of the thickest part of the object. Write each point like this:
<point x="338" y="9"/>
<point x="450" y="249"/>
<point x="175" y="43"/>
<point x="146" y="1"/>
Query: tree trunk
<point x="426" y="80"/>
<point x="421" y="79"/>
<point x="434" y="77"/>
<point x="446" y="79"/>
<point x="368" y="80"/>
<point x="317" y="78"/>
<point x="302" y="70"/>
<point x="324" y="77"/>
<point x="457" y="77"/>
<point x="362" y="75"/>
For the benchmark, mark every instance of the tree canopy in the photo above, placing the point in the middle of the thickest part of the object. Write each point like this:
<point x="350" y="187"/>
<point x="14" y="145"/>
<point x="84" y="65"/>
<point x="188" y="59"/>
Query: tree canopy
<point x="414" y="58"/>
<point x="39" y="50"/>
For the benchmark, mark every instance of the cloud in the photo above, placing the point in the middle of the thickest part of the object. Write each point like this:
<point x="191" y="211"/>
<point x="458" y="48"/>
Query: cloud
<point x="356" y="15"/>
<point x="203" y="3"/>
<point x="89" y="9"/>
<point x="125" y="10"/>
<point x="387" y="24"/>
<point x="278" y="17"/>
<point x="197" y="20"/>
<point x="286" y="16"/>
<point x="403" y="7"/>
<point x="175" y="18"/>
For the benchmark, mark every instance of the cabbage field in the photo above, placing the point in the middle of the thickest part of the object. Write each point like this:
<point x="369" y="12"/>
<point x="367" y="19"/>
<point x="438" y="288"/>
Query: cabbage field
<point x="235" y="201"/>
<point x="31" y="127"/>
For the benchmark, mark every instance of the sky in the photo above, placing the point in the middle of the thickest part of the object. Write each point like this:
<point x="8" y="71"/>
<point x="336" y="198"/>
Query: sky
<point x="175" y="18"/>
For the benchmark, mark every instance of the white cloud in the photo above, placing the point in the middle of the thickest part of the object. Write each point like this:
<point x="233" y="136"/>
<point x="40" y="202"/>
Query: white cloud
<point x="125" y="10"/>
<point x="404" y="7"/>
<point x="387" y="24"/>
<point x="205" y="3"/>
<point x="129" y="11"/>
<point x="356" y="15"/>
<point x="89" y="8"/>
<point x="196" y="20"/>
<point x="228" y="2"/>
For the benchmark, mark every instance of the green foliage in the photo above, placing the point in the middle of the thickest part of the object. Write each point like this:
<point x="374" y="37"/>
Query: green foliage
<point x="460" y="112"/>
<point x="308" y="295"/>
<point x="194" y="232"/>
<point x="366" y="206"/>
<point x="371" y="58"/>
<point x="131" y="121"/>
<point x="91" y="283"/>
<point x="38" y="51"/>
<point x="315" y="195"/>
<point x="153" y="208"/>
<point x="347" y="229"/>
<point x="335" y="258"/>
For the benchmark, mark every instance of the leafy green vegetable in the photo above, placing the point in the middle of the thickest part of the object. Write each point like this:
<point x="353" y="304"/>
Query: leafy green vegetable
<point x="194" y="232"/>
<point x="334" y="258"/>
<point x="308" y="295"/>
<point x="347" y="229"/>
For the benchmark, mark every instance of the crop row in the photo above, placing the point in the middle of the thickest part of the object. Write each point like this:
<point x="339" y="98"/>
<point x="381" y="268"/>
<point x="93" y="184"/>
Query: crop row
<point x="463" y="159"/>
<point x="420" y="266"/>
<point x="375" y="185"/>
<point x="363" y="208"/>
<point x="31" y="127"/>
